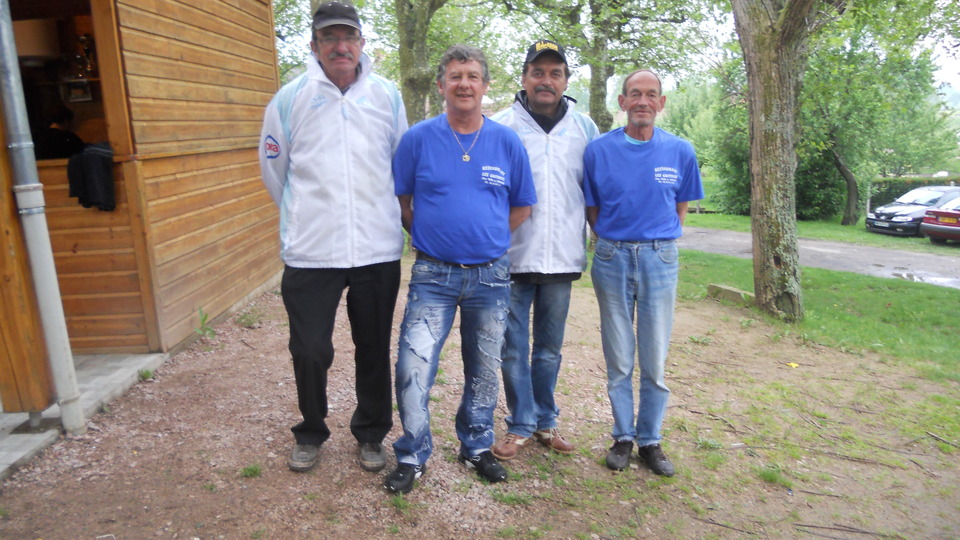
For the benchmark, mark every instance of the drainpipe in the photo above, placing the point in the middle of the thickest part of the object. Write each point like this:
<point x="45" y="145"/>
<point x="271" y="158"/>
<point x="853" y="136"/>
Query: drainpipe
<point x="30" y="204"/>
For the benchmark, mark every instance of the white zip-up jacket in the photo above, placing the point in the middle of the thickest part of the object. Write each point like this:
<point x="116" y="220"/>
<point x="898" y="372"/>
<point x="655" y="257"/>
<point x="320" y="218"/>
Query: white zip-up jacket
<point x="325" y="158"/>
<point x="553" y="239"/>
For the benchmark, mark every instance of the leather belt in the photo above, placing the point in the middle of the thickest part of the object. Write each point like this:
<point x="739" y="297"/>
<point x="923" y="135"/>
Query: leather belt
<point x="423" y="256"/>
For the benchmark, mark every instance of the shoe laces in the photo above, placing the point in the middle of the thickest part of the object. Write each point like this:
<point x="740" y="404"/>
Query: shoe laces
<point x="513" y="438"/>
<point x="655" y="452"/>
<point x="552" y="433"/>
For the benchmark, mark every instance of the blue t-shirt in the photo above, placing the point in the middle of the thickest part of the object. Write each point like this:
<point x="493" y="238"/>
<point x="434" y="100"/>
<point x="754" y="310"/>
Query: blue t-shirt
<point x="637" y="186"/>
<point x="462" y="208"/>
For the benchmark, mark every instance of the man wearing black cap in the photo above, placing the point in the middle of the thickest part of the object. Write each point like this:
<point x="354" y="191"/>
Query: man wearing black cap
<point x="326" y="147"/>
<point x="547" y="251"/>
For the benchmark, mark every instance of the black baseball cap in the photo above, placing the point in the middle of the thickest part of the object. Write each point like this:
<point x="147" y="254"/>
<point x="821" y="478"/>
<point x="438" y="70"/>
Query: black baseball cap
<point x="543" y="46"/>
<point x="332" y="13"/>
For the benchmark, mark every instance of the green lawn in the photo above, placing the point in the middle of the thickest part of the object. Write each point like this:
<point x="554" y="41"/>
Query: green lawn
<point x="907" y="322"/>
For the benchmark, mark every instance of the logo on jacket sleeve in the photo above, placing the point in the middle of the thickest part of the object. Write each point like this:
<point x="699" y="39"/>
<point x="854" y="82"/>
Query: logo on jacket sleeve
<point x="271" y="147"/>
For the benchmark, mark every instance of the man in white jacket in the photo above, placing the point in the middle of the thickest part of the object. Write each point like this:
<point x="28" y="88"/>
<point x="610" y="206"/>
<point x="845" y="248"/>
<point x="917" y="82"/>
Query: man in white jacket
<point x="326" y="148"/>
<point x="547" y="252"/>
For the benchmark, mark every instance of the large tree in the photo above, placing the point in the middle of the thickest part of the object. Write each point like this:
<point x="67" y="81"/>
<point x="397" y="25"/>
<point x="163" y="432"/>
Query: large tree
<point x="774" y="36"/>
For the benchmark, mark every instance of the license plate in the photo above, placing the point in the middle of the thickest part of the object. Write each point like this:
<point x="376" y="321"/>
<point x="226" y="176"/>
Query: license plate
<point x="947" y="219"/>
<point x="880" y="224"/>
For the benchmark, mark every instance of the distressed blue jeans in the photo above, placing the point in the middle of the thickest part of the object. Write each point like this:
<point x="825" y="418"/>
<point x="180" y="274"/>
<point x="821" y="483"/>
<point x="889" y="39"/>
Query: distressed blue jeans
<point x="436" y="291"/>
<point x="636" y="282"/>
<point x="529" y="381"/>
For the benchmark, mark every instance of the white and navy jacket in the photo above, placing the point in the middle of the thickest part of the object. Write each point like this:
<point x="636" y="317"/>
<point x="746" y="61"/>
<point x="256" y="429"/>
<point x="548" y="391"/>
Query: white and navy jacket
<point x="553" y="239"/>
<point x="325" y="158"/>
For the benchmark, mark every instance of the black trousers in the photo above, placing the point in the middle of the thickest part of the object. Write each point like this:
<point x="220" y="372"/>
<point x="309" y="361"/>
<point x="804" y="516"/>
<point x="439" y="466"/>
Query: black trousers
<point x="311" y="297"/>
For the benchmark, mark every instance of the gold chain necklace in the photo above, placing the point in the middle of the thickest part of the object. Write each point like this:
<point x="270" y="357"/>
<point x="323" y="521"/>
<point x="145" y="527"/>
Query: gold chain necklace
<point x="466" y="153"/>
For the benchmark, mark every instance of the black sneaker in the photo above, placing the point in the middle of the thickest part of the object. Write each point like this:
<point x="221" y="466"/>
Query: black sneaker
<point x="655" y="459"/>
<point x="486" y="466"/>
<point x="401" y="479"/>
<point x="619" y="455"/>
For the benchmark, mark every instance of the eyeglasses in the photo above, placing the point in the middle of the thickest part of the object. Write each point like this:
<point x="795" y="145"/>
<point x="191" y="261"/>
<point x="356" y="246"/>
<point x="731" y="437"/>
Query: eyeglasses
<point x="331" y="40"/>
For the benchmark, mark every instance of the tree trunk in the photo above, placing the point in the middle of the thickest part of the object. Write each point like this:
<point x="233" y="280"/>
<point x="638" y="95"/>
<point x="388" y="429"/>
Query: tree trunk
<point x="773" y="37"/>
<point x="850" y="214"/>
<point x="417" y="76"/>
<point x="601" y="69"/>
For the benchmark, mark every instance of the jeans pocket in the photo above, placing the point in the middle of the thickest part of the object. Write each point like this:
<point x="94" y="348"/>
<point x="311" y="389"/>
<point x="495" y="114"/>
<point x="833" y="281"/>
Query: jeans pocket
<point x="604" y="250"/>
<point x="668" y="252"/>
<point x="497" y="274"/>
<point x="427" y="272"/>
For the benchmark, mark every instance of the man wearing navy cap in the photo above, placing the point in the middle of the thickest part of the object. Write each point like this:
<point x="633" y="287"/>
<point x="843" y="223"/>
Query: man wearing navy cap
<point x="547" y="251"/>
<point x="326" y="147"/>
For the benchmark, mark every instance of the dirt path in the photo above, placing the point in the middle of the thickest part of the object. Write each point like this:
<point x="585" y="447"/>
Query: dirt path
<point x="773" y="437"/>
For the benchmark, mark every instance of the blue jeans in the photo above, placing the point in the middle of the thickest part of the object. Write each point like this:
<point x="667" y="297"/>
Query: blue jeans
<point x="529" y="383"/>
<point x="636" y="281"/>
<point x="436" y="291"/>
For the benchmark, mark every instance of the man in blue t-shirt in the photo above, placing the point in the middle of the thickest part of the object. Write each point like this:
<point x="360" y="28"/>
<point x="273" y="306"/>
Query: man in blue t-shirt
<point x="638" y="181"/>
<point x="464" y="183"/>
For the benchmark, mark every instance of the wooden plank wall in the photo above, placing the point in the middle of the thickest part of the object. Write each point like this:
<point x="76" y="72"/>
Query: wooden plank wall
<point x="96" y="266"/>
<point x="25" y="381"/>
<point x="199" y="75"/>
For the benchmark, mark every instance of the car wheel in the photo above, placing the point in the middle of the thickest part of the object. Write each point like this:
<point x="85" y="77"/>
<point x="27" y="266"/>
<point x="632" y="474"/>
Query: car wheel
<point x="938" y="241"/>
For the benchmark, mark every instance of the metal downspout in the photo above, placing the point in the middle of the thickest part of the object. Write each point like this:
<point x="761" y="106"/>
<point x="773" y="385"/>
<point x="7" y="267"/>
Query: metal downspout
<point x="31" y="207"/>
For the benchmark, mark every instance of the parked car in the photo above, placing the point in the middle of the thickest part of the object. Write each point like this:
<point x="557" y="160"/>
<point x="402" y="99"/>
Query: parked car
<point x="904" y="215"/>
<point x="942" y="224"/>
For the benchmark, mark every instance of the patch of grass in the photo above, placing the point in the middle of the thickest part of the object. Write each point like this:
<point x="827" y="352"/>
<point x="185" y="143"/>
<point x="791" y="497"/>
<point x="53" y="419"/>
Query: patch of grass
<point x="440" y="378"/>
<point x="210" y="486"/>
<point x="251" y="318"/>
<point x="311" y="496"/>
<point x="145" y="375"/>
<point x="402" y="505"/>
<point x="251" y="471"/>
<point x="520" y="499"/>
<point x="701" y="340"/>
<point x="902" y="321"/>
<point x="393" y="529"/>
<point x="708" y="444"/>
<point x="258" y="534"/>
<point x="773" y="474"/>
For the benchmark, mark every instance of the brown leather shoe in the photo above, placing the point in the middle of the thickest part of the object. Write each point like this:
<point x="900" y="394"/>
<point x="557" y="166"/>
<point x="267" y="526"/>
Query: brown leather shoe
<point x="509" y="447"/>
<point x="552" y="439"/>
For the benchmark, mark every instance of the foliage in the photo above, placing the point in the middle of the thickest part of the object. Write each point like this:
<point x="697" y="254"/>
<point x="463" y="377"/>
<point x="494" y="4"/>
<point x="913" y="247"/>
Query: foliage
<point x="690" y="112"/>
<point x="476" y="25"/>
<point x="292" y="25"/>
<point x="849" y="105"/>
<point x="205" y="329"/>
<point x="614" y="37"/>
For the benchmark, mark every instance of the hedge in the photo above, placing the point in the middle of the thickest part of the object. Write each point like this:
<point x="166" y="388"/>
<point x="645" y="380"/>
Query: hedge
<point x="885" y="190"/>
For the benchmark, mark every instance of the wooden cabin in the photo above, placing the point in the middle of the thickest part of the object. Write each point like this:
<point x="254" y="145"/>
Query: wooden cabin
<point x="178" y="89"/>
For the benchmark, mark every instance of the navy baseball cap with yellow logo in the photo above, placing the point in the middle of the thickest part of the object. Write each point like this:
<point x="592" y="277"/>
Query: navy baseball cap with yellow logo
<point x="544" y="46"/>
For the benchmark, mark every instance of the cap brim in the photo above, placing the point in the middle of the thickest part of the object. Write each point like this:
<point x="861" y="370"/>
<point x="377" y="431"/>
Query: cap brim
<point x="538" y="54"/>
<point x="334" y="22"/>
